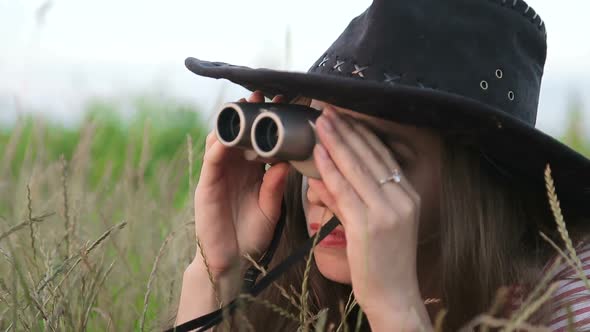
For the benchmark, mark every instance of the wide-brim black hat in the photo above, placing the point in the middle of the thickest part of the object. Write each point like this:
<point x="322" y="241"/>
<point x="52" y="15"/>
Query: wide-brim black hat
<point x="469" y="68"/>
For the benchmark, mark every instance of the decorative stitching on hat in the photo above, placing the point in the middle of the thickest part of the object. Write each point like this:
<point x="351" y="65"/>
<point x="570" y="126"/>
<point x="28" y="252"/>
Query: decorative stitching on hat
<point x="391" y="80"/>
<point x="323" y="62"/>
<point x="338" y="64"/>
<point x="359" y="71"/>
<point x="525" y="10"/>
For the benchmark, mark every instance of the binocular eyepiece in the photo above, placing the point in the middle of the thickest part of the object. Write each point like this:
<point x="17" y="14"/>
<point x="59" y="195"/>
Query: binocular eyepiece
<point x="275" y="132"/>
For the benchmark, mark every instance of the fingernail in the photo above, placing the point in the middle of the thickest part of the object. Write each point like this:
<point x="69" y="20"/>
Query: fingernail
<point x="323" y="154"/>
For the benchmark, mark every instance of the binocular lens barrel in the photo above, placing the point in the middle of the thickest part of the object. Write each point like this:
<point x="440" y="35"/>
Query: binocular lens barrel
<point x="228" y="124"/>
<point x="266" y="134"/>
<point x="274" y="131"/>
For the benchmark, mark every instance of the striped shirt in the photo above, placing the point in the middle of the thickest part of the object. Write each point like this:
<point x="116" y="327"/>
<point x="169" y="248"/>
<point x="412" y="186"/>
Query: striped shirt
<point x="571" y="293"/>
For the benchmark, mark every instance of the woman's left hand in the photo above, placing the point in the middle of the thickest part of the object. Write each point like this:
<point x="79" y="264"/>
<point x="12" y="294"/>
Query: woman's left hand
<point x="380" y="221"/>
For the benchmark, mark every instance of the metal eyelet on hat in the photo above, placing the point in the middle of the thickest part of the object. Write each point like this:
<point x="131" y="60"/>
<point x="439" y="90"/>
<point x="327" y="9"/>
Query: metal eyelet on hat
<point x="511" y="95"/>
<point x="484" y="85"/>
<point x="499" y="73"/>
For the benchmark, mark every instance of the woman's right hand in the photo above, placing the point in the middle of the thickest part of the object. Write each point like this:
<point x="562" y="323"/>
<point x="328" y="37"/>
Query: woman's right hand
<point x="237" y="203"/>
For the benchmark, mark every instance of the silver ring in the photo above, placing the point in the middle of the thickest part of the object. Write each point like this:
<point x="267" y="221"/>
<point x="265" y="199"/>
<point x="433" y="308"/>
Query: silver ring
<point x="395" y="177"/>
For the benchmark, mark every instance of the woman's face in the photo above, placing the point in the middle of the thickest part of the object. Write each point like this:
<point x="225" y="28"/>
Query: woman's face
<point x="417" y="151"/>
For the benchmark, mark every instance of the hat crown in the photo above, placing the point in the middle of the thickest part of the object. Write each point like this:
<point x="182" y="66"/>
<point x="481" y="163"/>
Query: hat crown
<point x="492" y="51"/>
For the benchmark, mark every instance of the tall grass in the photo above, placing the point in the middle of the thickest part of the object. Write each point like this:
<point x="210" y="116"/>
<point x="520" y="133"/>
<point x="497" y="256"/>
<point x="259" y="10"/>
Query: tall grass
<point x="96" y="224"/>
<point x="96" y="221"/>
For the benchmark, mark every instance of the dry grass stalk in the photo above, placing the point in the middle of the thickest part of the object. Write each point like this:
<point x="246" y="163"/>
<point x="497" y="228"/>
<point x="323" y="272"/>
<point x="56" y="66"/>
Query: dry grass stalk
<point x="529" y="310"/>
<point x="94" y="296"/>
<point x="151" y="279"/>
<point x="440" y="320"/>
<point x="24" y="224"/>
<point x="498" y="303"/>
<point x="321" y="320"/>
<point x="189" y="146"/>
<point x="30" y="219"/>
<point x="359" y="319"/>
<point x="66" y="208"/>
<point x="78" y="258"/>
<point x="11" y="147"/>
<point x="209" y="273"/>
<point x="305" y="284"/>
<point x="561" y="227"/>
<point x="273" y="307"/>
<point x="497" y="323"/>
<point x="350" y="304"/>
<point x="145" y="152"/>
<point x="524" y="311"/>
<point x="281" y="289"/>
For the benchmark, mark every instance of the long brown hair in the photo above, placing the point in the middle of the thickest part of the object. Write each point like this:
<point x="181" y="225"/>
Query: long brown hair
<point x="488" y="238"/>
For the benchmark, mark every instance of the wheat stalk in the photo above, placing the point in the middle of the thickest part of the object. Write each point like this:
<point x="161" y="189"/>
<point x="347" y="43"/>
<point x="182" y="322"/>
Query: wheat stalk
<point x="273" y="307"/>
<point x="561" y="227"/>
<point x="209" y="273"/>
<point x="531" y="308"/>
<point x="281" y="289"/>
<point x="350" y="304"/>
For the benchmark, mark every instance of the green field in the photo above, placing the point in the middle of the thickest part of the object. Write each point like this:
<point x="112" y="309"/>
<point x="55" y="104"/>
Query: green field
<point x="96" y="220"/>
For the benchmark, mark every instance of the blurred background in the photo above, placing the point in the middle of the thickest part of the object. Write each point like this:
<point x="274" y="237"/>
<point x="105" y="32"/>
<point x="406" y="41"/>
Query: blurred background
<point x="102" y="130"/>
<point x="56" y="54"/>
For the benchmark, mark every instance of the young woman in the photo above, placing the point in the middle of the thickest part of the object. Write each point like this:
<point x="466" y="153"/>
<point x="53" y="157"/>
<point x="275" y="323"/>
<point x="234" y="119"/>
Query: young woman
<point x="429" y="158"/>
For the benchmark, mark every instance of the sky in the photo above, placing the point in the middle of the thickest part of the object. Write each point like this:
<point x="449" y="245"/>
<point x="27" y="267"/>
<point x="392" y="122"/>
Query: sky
<point x="56" y="54"/>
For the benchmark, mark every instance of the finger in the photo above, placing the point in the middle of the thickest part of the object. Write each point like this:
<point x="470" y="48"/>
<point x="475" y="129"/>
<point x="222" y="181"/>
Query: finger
<point x="375" y="150"/>
<point x="272" y="190"/>
<point x="256" y="97"/>
<point x="347" y="201"/>
<point x="213" y="161"/>
<point x="332" y="136"/>
<point x="278" y="99"/>
<point x="211" y="138"/>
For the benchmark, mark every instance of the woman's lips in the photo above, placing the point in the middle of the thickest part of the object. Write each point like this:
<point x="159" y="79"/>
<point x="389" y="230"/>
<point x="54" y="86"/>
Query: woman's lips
<point x="336" y="238"/>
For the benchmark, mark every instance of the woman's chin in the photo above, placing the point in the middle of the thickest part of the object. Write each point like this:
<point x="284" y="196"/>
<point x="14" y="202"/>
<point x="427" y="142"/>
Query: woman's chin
<point x="333" y="264"/>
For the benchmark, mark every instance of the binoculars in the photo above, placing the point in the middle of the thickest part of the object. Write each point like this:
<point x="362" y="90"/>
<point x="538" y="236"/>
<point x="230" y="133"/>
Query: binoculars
<point x="275" y="132"/>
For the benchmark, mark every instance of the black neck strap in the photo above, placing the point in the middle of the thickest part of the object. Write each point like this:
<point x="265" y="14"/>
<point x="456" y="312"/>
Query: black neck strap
<point x="249" y="286"/>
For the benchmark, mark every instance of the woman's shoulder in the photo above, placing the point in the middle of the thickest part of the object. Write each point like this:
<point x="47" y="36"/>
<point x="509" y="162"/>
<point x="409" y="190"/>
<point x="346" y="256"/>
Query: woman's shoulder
<point x="570" y="303"/>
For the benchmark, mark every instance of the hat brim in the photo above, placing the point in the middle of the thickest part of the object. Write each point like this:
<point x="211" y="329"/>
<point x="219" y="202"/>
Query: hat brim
<point x="516" y="148"/>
